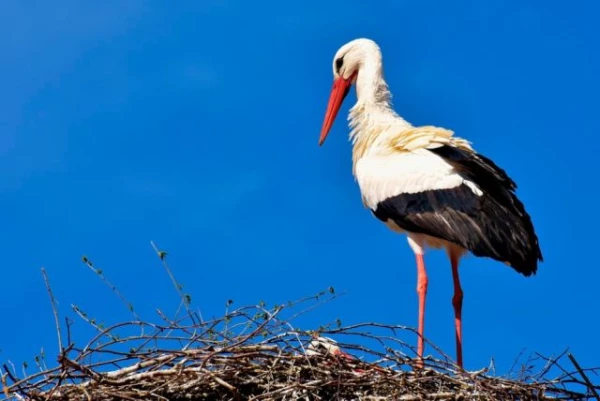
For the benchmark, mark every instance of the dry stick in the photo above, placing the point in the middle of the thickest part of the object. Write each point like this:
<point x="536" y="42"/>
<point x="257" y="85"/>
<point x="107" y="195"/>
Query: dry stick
<point x="68" y="323"/>
<point x="514" y="365"/>
<point x="5" y="387"/>
<point x="107" y="331"/>
<point x="585" y="378"/>
<point x="565" y="372"/>
<point x="550" y="362"/>
<point x="308" y="309"/>
<point x="83" y="315"/>
<point x="113" y="288"/>
<point x="54" y="310"/>
<point x="246" y="338"/>
<point x="393" y="328"/>
<point x="23" y="382"/>
<point x="9" y="374"/>
<point x="184" y="299"/>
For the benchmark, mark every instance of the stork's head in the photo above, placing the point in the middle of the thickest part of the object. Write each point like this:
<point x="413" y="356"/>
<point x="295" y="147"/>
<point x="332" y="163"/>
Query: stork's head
<point x="347" y="63"/>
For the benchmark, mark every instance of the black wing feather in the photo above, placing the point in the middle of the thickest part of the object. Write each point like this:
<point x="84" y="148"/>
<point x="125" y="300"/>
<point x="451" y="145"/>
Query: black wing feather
<point x="493" y="225"/>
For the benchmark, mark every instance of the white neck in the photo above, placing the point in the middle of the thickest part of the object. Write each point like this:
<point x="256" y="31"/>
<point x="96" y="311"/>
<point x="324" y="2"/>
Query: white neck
<point x="373" y="111"/>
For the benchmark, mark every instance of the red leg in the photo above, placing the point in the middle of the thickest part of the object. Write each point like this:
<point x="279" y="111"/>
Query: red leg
<point x="422" y="291"/>
<point x="457" y="300"/>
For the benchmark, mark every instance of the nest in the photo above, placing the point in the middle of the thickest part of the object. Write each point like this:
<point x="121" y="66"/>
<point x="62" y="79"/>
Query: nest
<point x="255" y="353"/>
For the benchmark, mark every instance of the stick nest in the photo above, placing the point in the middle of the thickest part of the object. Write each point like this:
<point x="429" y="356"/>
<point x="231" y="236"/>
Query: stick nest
<point x="255" y="353"/>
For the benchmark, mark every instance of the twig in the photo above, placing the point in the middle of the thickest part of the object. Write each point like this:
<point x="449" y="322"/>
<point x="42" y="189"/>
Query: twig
<point x="68" y="323"/>
<point x="113" y="288"/>
<point x="584" y="376"/>
<point x="185" y="298"/>
<point x="54" y="310"/>
<point x="91" y="322"/>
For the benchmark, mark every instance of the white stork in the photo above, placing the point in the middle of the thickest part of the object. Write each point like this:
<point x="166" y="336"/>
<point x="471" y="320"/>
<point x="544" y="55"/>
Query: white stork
<point x="426" y="182"/>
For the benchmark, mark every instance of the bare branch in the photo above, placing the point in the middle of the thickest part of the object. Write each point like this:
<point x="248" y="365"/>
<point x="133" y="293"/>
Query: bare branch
<point x="54" y="310"/>
<point x="112" y="287"/>
<point x="185" y="298"/>
<point x="584" y="376"/>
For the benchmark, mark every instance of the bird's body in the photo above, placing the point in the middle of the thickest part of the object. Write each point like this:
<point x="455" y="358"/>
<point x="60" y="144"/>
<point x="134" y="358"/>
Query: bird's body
<point x="426" y="182"/>
<point x="433" y="186"/>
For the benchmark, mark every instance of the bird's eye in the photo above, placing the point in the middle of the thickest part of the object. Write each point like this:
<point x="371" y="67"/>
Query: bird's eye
<point x="338" y="63"/>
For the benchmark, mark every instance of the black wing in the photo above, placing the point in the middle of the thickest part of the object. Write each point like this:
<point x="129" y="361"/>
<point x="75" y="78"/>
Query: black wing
<point x="494" y="224"/>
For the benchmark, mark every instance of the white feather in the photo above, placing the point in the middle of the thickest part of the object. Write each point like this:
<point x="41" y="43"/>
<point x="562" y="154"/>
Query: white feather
<point x="385" y="176"/>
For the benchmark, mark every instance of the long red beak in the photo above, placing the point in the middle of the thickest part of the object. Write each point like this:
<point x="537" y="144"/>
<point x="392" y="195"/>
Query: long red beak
<point x="340" y="90"/>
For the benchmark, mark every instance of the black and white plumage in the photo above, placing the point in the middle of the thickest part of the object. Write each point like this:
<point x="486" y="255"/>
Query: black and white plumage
<point x="426" y="182"/>
<point x="484" y="217"/>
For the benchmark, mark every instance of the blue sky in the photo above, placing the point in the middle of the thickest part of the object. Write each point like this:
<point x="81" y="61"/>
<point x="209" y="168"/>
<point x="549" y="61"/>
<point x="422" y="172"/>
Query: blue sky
<point x="195" y="125"/>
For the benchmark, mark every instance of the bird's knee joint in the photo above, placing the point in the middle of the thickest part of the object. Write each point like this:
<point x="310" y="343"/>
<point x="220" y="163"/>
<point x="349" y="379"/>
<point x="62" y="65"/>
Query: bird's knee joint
<point x="422" y="285"/>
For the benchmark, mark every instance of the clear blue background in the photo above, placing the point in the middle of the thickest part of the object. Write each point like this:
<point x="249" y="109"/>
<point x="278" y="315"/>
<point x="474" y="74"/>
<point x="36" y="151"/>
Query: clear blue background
<point x="195" y="124"/>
